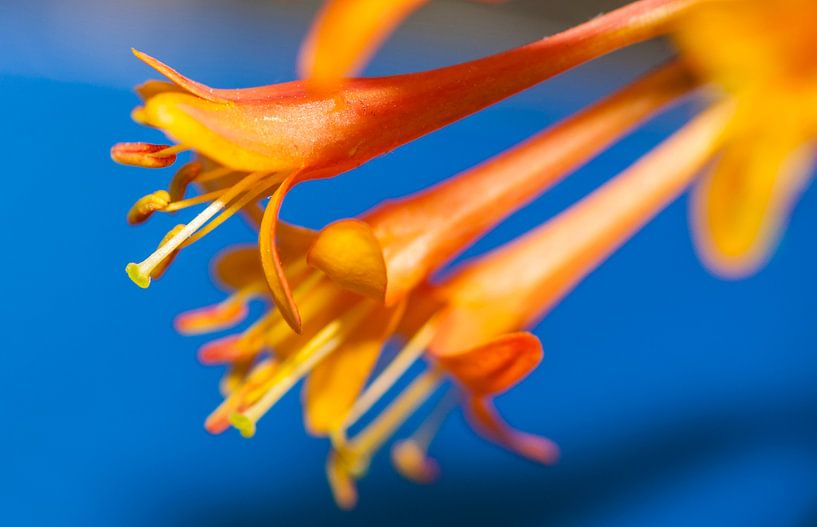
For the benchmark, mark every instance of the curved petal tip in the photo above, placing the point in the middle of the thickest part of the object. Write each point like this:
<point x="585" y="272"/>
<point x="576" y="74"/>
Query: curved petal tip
<point x="350" y="254"/>
<point x="271" y="259"/>
<point x="195" y="88"/>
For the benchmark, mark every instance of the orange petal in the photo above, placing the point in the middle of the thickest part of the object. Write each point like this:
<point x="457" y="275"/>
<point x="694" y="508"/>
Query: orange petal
<point x="350" y="254"/>
<point x="271" y="259"/>
<point x="335" y="383"/>
<point x="486" y="421"/>
<point x="345" y="34"/>
<point x="740" y="209"/>
<point x="195" y="88"/>
<point x="492" y="367"/>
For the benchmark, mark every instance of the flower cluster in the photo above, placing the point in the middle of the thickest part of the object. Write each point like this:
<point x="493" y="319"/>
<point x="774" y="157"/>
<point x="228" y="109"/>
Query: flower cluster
<point x="335" y="297"/>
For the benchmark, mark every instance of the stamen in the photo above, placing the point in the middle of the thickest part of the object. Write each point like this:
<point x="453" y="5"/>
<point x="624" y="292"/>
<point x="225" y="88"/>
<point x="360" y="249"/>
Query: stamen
<point x="143" y="155"/>
<point x="259" y="190"/>
<point x="219" y="420"/>
<point x="189" y="202"/>
<point x="171" y="150"/>
<point x="160" y="269"/>
<point x="147" y="205"/>
<point x="359" y="449"/>
<point x="410" y="456"/>
<point x="296" y="366"/>
<point x="140" y="273"/>
<point x="267" y="332"/>
<point x="182" y="179"/>
<point x="277" y="332"/>
<point x="412" y="351"/>
<point x="216" y="173"/>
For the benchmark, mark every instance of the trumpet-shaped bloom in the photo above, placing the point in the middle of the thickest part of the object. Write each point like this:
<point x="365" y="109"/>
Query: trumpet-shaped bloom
<point x="760" y="53"/>
<point x="470" y="325"/>
<point x="264" y="140"/>
<point x="370" y="266"/>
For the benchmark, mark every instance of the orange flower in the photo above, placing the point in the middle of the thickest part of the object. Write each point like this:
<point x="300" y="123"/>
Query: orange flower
<point x="264" y="140"/>
<point x="469" y="326"/>
<point x="379" y="260"/>
<point x="760" y="54"/>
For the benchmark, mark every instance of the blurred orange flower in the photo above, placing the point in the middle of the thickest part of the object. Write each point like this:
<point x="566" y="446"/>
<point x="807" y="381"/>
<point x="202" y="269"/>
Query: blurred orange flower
<point x="760" y="54"/>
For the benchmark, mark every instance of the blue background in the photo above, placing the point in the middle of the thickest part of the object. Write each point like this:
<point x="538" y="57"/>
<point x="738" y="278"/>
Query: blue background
<point x="676" y="398"/>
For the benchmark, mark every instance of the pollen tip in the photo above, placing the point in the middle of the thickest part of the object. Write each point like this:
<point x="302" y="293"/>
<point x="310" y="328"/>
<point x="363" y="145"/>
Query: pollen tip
<point x="138" y="276"/>
<point x="145" y="155"/>
<point x="244" y="425"/>
<point x="411" y="461"/>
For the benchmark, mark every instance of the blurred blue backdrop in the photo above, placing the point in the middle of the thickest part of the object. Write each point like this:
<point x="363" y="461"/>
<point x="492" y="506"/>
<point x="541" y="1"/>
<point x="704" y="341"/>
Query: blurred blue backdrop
<point x="677" y="398"/>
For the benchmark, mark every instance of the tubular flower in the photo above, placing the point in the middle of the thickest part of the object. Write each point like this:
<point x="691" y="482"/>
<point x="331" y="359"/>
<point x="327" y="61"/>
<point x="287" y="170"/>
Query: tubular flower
<point x="367" y="268"/>
<point x="470" y="326"/>
<point x="264" y="140"/>
<point x="760" y="53"/>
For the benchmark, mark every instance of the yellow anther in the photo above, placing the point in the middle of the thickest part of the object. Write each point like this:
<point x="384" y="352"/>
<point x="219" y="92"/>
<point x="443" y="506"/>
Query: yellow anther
<point x="182" y="178"/>
<point x="147" y="205"/>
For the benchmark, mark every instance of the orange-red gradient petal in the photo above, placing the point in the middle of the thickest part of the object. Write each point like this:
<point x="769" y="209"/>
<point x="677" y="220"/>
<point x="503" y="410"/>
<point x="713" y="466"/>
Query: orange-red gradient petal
<point x="495" y="366"/>
<point x="486" y="421"/>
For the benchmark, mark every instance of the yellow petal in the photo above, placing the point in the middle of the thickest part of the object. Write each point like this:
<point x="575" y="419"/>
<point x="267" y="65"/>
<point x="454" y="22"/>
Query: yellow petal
<point x="335" y="383"/>
<point x="350" y="254"/>
<point x="345" y="34"/>
<point x="741" y="207"/>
